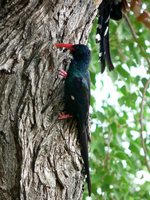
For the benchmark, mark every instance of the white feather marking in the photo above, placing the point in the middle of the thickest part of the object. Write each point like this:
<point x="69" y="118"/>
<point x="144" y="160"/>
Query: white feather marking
<point x="106" y="31"/>
<point x="98" y="37"/>
<point x="72" y="97"/>
<point x="107" y="19"/>
<point x="100" y="54"/>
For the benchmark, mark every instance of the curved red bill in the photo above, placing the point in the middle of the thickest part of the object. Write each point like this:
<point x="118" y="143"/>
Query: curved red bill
<point x="67" y="46"/>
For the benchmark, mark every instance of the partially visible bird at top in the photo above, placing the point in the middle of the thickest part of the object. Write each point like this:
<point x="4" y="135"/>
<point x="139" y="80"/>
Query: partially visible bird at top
<point x="108" y="9"/>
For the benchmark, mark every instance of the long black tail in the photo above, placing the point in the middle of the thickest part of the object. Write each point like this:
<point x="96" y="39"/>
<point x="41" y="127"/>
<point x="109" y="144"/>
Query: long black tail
<point x="83" y="140"/>
<point x="108" y="9"/>
<point x="107" y="51"/>
<point x="104" y="12"/>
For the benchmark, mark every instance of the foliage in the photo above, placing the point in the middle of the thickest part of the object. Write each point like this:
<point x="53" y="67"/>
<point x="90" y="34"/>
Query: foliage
<point x="120" y="147"/>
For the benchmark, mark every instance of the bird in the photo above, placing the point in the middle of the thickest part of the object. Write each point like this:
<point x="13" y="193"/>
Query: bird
<point x="108" y="9"/>
<point x="77" y="97"/>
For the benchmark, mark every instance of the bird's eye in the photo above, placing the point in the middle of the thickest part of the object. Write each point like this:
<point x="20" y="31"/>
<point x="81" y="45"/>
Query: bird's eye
<point x="65" y="50"/>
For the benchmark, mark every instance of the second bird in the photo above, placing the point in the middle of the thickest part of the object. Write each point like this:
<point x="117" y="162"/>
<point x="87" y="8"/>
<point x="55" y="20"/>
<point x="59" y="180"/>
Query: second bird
<point x="108" y="9"/>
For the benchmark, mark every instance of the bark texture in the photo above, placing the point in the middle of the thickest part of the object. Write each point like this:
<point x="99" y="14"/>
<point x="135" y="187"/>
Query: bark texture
<point x="39" y="155"/>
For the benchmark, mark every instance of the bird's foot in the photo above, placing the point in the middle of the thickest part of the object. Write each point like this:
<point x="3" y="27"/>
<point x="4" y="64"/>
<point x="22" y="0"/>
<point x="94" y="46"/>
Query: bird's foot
<point x="64" y="116"/>
<point x="63" y="73"/>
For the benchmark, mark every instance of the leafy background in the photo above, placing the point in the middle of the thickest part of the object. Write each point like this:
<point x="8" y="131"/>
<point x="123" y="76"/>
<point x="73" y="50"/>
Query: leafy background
<point x="120" y="112"/>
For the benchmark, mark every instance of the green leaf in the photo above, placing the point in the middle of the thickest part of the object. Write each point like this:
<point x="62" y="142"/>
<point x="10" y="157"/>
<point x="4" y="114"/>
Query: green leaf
<point x="122" y="71"/>
<point x="144" y="80"/>
<point x="100" y="116"/>
<point x="135" y="147"/>
<point x="113" y="127"/>
<point x="121" y="155"/>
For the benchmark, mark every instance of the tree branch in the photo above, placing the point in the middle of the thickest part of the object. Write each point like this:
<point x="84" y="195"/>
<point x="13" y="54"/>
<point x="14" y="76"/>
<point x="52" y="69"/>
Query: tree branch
<point x="142" y="126"/>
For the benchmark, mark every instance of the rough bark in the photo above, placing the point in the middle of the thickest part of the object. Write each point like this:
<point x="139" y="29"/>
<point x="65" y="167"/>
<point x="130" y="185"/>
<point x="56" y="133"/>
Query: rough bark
<point x="39" y="155"/>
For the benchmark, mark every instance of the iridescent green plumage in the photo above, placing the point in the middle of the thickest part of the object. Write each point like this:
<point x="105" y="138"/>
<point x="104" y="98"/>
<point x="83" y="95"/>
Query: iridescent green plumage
<point x="77" y="97"/>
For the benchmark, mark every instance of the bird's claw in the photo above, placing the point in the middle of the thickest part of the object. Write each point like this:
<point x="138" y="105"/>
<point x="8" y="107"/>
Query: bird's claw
<point x="64" y="116"/>
<point x="63" y="73"/>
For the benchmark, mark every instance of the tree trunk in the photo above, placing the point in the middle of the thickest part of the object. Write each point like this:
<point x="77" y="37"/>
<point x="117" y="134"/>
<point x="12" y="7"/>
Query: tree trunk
<point x="39" y="155"/>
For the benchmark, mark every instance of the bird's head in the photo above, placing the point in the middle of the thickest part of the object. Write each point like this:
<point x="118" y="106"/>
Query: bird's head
<point x="80" y="52"/>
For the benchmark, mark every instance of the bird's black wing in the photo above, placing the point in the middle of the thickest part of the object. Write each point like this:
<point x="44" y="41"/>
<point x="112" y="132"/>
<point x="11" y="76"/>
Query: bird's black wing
<point x="81" y="100"/>
<point x="116" y="11"/>
<point x="118" y="8"/>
